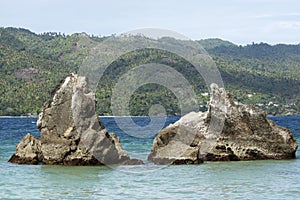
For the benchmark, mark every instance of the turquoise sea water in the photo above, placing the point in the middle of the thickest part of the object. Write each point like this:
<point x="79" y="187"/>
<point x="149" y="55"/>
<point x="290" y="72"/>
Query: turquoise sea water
<point x="269" y="179"/>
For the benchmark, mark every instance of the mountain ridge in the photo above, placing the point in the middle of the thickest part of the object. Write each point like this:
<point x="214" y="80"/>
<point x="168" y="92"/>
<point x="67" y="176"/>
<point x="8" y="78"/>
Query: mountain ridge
<point x="266" y="76"/>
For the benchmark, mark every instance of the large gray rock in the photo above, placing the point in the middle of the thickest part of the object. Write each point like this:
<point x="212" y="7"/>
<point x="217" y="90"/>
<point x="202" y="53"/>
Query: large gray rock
<point x="70" y="131"/>
<point x="227" y="131"/>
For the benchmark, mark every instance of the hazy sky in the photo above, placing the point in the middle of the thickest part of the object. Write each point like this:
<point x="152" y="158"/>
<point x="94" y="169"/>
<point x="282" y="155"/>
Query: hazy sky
<point x="239" y="21"/>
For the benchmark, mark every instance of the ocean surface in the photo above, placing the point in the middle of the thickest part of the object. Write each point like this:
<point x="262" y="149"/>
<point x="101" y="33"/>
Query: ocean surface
<point x="269" y="179"/>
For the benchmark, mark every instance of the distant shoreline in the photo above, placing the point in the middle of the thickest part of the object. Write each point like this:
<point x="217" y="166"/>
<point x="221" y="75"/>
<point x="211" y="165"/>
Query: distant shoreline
<point x="4" y="116"/>
<point x="98" y="116"/>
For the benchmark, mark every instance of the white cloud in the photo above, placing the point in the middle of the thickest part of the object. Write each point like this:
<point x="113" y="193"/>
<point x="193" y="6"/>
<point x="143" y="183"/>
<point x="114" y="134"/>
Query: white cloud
<point x="277" y="16"/>
<point x="289" y="24"/>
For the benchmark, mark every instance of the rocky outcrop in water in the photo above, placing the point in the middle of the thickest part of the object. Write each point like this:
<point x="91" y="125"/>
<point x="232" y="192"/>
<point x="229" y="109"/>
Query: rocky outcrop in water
<point x="27" y="151"/>
<point x="70" y="131"/>
<point x="227" y="131"/>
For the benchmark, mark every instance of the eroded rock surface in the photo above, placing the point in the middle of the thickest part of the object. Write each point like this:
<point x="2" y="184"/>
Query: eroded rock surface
<point x="70" y="131"/>
<point x="227" y="131"/>
<point x="28" y="151"/>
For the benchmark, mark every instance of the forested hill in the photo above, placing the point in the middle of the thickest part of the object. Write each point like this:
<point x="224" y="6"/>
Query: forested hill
<point x="266" y="76"/>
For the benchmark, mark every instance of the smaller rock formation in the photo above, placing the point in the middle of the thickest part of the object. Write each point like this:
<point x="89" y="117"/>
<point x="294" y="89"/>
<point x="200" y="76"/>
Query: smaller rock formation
<point x="227" y="131"/>
<point x="70" y="131"/>
<point x="28" y="151"/>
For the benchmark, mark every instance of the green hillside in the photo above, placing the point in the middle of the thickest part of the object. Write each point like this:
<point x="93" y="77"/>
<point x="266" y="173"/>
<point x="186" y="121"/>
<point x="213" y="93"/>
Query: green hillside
<point x="32" y="64"/>
<point x="269" y="74"/>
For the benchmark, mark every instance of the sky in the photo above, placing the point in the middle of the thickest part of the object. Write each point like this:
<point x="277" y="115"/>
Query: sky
<point x="238" y="21"/>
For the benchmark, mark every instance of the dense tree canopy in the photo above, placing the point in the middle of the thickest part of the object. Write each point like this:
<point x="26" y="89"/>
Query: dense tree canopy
<point x="32" y="64"/>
